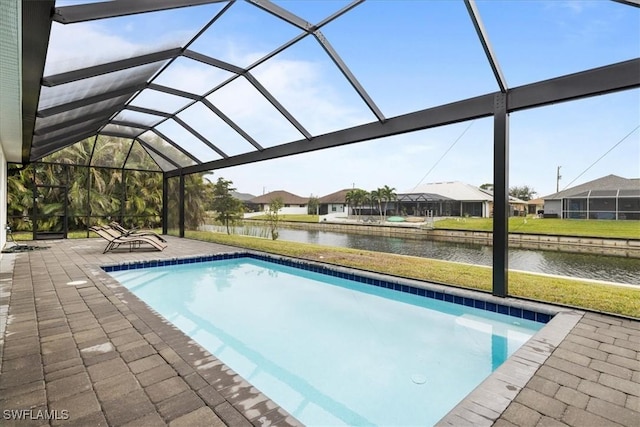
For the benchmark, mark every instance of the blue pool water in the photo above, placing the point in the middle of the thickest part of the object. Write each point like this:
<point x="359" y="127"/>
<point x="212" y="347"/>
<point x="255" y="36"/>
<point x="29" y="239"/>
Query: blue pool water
<point x="332" y="351"/>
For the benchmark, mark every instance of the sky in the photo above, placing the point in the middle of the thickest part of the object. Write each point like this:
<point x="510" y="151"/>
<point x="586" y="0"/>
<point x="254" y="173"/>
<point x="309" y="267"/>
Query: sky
<point x="408" y="55"/>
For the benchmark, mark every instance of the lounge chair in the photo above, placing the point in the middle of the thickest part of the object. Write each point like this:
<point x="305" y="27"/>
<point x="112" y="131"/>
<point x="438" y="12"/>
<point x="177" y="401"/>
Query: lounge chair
<point x="134" y="242"/>
<point x="116" y="226"/>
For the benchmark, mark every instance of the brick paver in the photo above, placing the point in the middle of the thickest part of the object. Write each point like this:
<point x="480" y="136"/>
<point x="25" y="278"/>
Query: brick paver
<point x="595" y="383"/>
<point x="81" y="348"/>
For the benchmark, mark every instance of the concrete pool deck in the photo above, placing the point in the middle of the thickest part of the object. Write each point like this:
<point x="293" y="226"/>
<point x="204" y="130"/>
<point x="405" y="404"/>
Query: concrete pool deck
<point x="79" y="348"/>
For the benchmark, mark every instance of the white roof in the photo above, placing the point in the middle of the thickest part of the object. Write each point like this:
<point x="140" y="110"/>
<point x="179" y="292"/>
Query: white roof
<point x="454" y="190"/>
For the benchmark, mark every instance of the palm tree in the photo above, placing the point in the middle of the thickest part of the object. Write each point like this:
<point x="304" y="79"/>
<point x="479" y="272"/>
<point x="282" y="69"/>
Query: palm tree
<point x="376" y="197"/>
<point x="19" y="198"/>
<point x="110" y="193"/>
<point x="388" y="194"/>
<point x="350" y="199"/>
<point x="359" y="197"/>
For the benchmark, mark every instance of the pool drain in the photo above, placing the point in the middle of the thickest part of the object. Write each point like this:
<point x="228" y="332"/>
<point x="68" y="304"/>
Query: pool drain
<point x="418" y="379"/>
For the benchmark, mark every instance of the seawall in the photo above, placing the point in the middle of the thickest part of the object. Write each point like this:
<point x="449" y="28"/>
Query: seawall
<point x="577" y="244"/>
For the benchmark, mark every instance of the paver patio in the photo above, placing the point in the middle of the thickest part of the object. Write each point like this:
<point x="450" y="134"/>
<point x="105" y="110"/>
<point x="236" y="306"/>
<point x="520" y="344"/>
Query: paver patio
<point x="90" y="353"/>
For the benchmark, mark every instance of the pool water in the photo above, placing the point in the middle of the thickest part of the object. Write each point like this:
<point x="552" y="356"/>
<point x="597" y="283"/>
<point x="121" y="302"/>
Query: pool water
<point x="328" y="350"/>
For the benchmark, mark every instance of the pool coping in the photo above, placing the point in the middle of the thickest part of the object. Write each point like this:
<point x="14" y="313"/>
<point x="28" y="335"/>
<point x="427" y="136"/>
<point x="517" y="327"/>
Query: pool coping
<point x="514" y="307"/>
<point x="483" y="406"/>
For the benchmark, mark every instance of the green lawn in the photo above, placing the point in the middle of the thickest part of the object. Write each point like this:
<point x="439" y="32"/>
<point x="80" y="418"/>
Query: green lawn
<point x="570" y="292"/>
<point x="566" y="227"/>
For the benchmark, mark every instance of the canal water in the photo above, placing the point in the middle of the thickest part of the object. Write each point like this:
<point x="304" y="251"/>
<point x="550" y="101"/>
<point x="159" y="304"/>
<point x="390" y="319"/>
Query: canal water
<point x="586" y="266"/>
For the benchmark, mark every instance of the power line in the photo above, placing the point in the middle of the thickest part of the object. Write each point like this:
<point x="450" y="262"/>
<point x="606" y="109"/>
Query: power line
<point x="601" y="157"/>
<point x="445" y="153"/>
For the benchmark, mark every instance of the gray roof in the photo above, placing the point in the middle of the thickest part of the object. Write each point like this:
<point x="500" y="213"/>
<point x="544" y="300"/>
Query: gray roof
<point x="455" y="190"/>
<point x="245" y="197"/>
<point x="605" y="186"/>
<point x="337" y="197"/>
<point x="285" y="196"/>
<point x="421" y="197"/>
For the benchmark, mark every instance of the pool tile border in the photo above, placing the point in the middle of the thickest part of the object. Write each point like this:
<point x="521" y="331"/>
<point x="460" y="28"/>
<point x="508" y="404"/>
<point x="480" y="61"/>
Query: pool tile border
<point x="513" y="308"/>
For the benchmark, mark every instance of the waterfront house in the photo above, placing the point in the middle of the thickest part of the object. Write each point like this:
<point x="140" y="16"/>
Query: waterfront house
<point x="535" y="205"/>
<point x="292" y="204"/>
<point x="452" y="198"/>
<point x="334" y="203"/>
<point x="609" y="197"/>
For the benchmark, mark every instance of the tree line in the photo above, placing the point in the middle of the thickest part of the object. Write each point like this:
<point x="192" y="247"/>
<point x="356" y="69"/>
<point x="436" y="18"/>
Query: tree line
<point x="523" y="192"/>
<point x="97" y="194"/>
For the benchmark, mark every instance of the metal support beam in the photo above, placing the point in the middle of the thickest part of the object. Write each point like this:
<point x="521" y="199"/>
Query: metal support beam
<point x="501" y="197"/>
<point x="116" y="134"/>
<point x="173" y="91"/>
<point x="110" y="67"/>
<point x="40" y="152"/>
<point x="474" y="14"/>
<point x="283" y="14"/>
<point x="125" y="91"/>
<point x="634" y="3"/>
<point x="181" y="206"/>
<point x="123" y="194"/>
<point x="146" y="147"/>
<point x="165" y="203"/>
<point x="176" y="146"/>
<point x="93" y="150"/>
<point x="147" y="111"/>
<point x="91" y="127"/>
<point x="348" y="74"/>
<point x="456" y="112"/>
<point x="597" y="81"/>
<point x="131" y="125"/>
<point x="112" y="9"/>
<point x="339" y="13"/>
<point x="232" y="124"/>
<point x="213" y="62"/>
<point x="204" y="140"/>
<point x="99" y="116"/>
<point x="36" y="28"/>
<point x="277" y="104"/>
<point x="126" y="159"/>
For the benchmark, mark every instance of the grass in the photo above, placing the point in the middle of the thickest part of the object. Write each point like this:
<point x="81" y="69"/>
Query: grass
<point x="291" y="218"/>
<point x="569" y="292"/>
<point x="566" y="227"/>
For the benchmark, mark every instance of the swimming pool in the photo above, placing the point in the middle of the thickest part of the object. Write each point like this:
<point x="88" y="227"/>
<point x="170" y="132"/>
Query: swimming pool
<point x="329" y="350"/>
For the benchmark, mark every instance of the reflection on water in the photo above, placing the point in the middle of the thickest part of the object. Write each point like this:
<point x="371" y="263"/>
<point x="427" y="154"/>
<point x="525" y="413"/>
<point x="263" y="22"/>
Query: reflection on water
<point x="587" y="266"/>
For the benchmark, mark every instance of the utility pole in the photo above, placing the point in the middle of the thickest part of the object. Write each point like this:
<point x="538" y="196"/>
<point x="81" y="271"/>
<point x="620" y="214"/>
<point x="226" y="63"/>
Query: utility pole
<point x="558" y="176"/>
